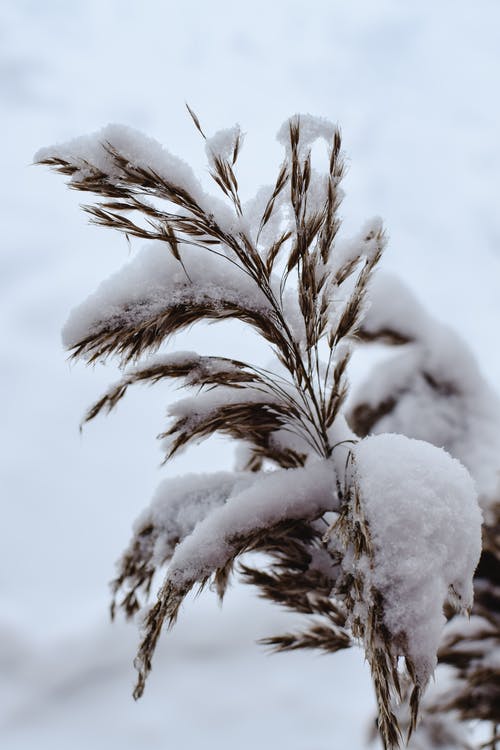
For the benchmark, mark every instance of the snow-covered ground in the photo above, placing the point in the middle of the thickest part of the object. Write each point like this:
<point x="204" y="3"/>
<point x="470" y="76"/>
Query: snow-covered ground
<point x="415" y="89"/>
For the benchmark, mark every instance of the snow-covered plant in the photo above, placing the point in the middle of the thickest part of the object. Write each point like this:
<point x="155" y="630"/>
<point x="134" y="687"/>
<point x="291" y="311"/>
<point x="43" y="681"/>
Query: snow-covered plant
<point x="367" y="536"/>
<point x="433" y="390"/>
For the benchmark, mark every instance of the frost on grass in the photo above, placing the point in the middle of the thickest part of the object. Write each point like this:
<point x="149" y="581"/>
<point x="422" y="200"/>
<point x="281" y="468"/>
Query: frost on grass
<point x="367" y="539"/>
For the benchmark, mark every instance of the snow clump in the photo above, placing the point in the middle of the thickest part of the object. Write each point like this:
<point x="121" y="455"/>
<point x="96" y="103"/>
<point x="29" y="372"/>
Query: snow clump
<point x="425" y="526"/>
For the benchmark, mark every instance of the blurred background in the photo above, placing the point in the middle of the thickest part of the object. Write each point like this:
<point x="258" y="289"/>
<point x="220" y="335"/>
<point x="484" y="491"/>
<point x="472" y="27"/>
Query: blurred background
<point x="414" y="87"/>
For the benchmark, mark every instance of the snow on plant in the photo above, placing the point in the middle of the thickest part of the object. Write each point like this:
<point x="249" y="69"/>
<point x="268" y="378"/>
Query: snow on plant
<point x="433" y="390"/>
<point x="368" y="538"/>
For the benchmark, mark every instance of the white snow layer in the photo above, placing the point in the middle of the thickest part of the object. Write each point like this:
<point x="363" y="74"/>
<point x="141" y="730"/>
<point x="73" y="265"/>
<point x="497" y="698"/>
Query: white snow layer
<point x="425" y="526"/>
<point x="196" y="367"/>
<point x="441" y="394"/>
<point x="291" y="494"/>
<point x="197" y="408"/>
<point x="394" y="306"/>
<point x="180" y="503"/>
<point x="194" y="410"/>
<point x="362" y="245"/>
<point x="88" y="152"/>
<point x="312" y="128"/>
<point x="155" y="281"/>
<point x="222" y="144"/>
<point x="140" y="151"/>
<point x="253" y="211"/>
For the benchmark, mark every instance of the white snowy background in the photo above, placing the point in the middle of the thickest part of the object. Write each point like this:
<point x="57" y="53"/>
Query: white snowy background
<point x="415" y="89"/>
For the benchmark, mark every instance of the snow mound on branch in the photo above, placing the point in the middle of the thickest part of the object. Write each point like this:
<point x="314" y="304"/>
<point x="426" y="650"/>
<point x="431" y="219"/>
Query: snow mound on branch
<point x="291" y="494"/>
<point x="222" y="144"/>
<point x="180" y="503"/>
<point x="425" y="525"/>
<point x="154" y="280"/>
<point x="279" y="220"/>
<point x="198" y="407"/>
<point x="440" y="393"/>
<point x="394" y="306"/>
<point x="362" y="245"/>
<point x="312" y="128"/>
<point x="140" y="151"/>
